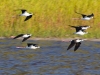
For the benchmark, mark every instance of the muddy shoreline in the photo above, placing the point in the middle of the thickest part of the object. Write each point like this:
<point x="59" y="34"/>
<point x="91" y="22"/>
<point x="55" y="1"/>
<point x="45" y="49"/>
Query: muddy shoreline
<point x="56" y="39"/>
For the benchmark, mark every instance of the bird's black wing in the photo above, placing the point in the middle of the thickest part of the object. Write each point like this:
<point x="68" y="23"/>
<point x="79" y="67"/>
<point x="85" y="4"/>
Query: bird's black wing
<point x="23" y="10"/>
<point x="84" y="26"/>
<point x="28" y="17"/>
<point x="83" y="15"/>
<point x="71" y="44"/>
<point x="25" y="38"/>
<point x="77" y="28"/>
<point x="77" y="46"/>
<point x="20" y="35"/>
<point x="72" y="26"/>
<point x="29" y="44"/>
<point x="90" y="15"/>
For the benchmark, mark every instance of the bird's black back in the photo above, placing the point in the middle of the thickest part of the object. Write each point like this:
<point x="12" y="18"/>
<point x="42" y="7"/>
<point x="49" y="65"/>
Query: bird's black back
<point x="90" y="15"/>
<point x="23" y="10"/>
<point x="29" y="44"/>
<point x="78" y="28"/>
<point x="83" y="15"/>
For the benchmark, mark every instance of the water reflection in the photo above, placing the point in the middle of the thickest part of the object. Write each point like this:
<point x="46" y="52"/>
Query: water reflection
<point x="51" y="59"/>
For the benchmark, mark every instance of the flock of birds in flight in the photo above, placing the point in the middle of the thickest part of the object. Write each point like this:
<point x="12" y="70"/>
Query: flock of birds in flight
<point x="80" y="30"/>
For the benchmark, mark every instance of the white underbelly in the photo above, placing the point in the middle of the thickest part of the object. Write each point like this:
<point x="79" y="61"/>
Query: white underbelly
<point x="80" y="33"/>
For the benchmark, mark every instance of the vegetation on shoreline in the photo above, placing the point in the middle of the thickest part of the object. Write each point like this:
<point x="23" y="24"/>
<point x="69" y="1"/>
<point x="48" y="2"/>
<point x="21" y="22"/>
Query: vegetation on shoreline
<point x="52" y="17"/>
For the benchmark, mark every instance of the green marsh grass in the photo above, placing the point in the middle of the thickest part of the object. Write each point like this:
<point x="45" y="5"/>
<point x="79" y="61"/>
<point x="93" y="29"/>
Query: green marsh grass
<point x="51" y="18"/>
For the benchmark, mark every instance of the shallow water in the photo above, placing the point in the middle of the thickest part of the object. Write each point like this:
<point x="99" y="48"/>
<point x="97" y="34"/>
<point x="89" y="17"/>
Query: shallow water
<point x="51" y="59"/>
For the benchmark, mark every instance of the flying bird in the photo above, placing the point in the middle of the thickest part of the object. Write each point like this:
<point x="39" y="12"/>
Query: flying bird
<point x="86" y="17"/>
<point x="25" y="13"/>
<point x="25" y="36"/>
<point x="82" y="28"/>
<point x="30" y="46"/>
<point x="76" y="42"/>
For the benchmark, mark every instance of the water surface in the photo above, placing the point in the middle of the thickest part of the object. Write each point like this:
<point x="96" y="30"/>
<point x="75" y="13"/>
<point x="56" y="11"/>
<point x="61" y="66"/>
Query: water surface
<point x="51" y="59"/>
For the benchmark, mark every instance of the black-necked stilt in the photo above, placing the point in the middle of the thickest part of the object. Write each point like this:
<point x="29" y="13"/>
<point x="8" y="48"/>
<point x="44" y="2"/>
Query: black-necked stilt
<point x="86" y="17"/>
<point x="80" y="30"/>
<point x="80" y="27"/>
<point x="25" y="13"/>
<point x="76" y="42"/>
<point x="25" y="36"/>
<point x="30" y="46"/>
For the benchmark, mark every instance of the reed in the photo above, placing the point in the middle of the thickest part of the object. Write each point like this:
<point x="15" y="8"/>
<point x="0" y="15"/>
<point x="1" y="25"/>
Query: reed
<point x="51" y="18"/>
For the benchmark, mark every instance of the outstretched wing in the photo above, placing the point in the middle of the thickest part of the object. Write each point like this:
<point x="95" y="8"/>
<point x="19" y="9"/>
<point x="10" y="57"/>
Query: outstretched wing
<point x="84" y="26"/>
<point x="78" y="28"/>
<point x="20" y="35"/>
<point x="90" y="15"/>
<point x="25" y="38"/>
<point x="29" y="44"/>
<point x="28" y="17"/>
<point x="23" y="10"/>
<point x="71" y="44"/>
<point x="83" y="15"/>
<point x="72" y="26"/>
<point x="77" y="46"/>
